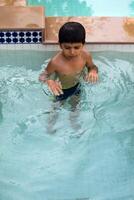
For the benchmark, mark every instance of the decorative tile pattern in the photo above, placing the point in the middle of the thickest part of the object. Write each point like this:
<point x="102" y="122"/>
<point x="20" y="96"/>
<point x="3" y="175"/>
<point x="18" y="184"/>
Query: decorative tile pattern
<point x="21" y="37"/>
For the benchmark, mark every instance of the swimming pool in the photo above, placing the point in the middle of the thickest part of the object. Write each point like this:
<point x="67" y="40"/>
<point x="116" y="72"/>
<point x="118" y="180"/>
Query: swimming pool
<point x="93" y="160"/>
<point x="86" y="7"/>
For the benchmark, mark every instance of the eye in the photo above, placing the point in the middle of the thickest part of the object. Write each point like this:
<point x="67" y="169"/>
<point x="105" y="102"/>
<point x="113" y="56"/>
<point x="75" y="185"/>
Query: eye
<point x="77" y="47"/>
<point x="67" y="47"/>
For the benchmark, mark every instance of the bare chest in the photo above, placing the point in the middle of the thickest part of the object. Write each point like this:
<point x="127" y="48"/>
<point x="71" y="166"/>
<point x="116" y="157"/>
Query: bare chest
<point x="71" y="67"/>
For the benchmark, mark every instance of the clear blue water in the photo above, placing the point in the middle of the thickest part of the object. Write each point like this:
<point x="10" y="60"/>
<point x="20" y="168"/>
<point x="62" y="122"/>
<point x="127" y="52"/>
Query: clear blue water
<point x="86" y="7"/>
<point x="90" y="154"/>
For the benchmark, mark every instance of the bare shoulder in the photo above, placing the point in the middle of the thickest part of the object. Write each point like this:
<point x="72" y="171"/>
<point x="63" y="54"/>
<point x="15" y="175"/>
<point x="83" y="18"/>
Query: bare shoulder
<point x="86" y="55"/>
<point x="53" y="63"/>
<point x="88" y="58"/>
<point x="56" y="58"/>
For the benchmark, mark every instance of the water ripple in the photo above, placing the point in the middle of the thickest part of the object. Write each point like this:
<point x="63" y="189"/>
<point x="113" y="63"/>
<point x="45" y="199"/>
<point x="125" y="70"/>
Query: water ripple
<point x="91" y="147"/>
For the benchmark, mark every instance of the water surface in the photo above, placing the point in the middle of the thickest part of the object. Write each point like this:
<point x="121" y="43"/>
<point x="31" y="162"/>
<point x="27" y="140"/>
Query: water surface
<point x="84" y="154"/>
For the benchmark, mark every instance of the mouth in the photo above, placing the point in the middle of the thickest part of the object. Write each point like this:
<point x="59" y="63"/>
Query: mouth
<point x="72" y="56"/>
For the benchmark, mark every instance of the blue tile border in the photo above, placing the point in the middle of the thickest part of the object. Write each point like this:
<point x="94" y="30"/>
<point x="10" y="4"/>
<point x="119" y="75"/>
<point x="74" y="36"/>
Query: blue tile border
<point x="21" y="37"/>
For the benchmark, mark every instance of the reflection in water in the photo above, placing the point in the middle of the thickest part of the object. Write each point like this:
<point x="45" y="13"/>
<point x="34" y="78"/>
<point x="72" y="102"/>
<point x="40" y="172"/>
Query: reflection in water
<point x="86" y="7"/>
<point x="64" y="8"/>
<point x="132" y="8"/>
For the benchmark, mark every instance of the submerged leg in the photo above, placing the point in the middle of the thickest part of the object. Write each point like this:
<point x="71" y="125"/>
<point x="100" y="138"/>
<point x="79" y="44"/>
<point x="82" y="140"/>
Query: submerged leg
<point x="74" y="113"/>
<point x="53" y="117"/>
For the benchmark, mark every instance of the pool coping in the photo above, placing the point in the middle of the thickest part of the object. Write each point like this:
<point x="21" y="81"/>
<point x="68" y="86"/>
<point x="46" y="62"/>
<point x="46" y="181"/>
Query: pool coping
<point x="51" y="47"/>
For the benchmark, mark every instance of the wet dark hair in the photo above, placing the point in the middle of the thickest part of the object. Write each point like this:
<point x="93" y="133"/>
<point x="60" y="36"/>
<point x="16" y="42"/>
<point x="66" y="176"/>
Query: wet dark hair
<point x="72" y="32"/>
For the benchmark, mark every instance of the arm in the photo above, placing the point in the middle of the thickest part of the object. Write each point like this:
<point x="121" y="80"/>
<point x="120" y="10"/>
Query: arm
<point x="92" y="75"/>
<point x="48" y="76"/>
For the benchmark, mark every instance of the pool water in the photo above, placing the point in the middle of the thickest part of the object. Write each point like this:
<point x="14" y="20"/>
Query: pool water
<point x="89" y="155"/>
<point x="86" y="7"/>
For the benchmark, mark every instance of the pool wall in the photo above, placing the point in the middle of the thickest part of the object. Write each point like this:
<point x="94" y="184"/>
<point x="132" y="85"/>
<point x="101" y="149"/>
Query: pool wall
<point x="22" y="24"/>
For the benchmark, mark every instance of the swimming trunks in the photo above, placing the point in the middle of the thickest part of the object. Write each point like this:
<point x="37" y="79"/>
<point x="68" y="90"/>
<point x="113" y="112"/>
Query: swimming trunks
<point x="75" y="90"/>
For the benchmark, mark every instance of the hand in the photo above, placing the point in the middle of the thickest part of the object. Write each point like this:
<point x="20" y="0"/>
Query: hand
<point x="55" y="87"/>
<point x="42" y="78"/>
<point x="92" y="76"/>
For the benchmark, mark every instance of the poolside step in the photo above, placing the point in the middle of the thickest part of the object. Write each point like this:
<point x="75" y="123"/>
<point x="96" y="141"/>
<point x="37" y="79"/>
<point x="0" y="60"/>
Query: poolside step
<point x="12" y="17"/>
<point x="21" y="24"/>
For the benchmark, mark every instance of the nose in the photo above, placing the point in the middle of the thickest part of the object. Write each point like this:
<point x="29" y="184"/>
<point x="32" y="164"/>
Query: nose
<point x="72" y="51"/>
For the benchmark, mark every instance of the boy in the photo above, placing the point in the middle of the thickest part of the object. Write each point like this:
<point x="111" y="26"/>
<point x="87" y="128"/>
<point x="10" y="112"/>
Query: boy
<point x="69" y="64"/>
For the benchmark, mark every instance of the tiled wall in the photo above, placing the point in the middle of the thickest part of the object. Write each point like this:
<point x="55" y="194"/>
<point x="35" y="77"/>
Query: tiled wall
<point x="20" y="37"/>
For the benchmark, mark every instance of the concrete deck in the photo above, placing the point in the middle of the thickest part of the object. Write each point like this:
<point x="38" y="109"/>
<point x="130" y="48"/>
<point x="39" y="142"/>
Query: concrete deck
<point x="98" y="29"/>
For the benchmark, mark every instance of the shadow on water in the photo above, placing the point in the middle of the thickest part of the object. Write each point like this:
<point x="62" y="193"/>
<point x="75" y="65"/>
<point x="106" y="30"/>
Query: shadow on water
<point x="64" y="8"/>
<point x="1" y="115"/>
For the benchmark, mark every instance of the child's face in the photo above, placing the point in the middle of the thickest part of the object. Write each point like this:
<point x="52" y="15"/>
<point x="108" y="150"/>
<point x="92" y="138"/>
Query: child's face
<point x="71" y="50"/>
